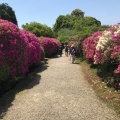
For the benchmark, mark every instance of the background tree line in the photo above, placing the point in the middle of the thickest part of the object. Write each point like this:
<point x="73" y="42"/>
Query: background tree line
<point x="64" y="28"/>
<point x="76" y="23"/>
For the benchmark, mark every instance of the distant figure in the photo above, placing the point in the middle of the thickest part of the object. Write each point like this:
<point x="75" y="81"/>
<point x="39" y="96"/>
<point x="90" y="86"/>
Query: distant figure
<point x="66" y="50"/>
<point x="60" y="50"/>
<point x="72" y="53"/>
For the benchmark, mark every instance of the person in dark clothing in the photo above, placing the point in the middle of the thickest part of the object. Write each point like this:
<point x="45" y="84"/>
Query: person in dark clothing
<point x="72" y="53"/>
<point x="60" y="50"/>
<point x="66" y="50"/>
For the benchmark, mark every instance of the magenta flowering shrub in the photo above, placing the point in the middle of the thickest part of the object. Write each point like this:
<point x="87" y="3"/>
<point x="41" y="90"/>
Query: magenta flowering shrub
<point x="117" y="70"/>
<point x="42" y="53"/>
<point x="56" y="45"/>
<point x="36" y="51"/>
<point x="13" y="55"/>
<point x="115" y="55"/>
<point x="50" y="45"/>
<point x="89" y="46"/>
<point x="108" y="47"/>
<point x="107" y="44"/>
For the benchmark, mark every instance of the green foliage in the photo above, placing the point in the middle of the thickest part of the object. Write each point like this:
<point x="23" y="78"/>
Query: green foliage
<point x="65" y="32"/>
<point x="39" y="29"/>
<point x="77" y="13"/>
<point x="78" y="24"/>
<point x="5" y="73"/>
<point x="86" y="26"/>
<point x="63" y="22"/>
<point x="103" y="27"/>
<point x="6" y="13"/>
<point x="63" y="39"/>
<point x="64" y="35"/>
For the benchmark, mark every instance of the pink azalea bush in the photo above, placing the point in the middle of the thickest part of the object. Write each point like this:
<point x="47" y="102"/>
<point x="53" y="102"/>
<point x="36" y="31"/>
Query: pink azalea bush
<point x="106" y="44"/>
<point x="108" y="47"/>
<point x="13" y="55"/>
<point x="36" y="51"/>
<point x="103" y="48"/>
<point x="19" y="50"/>
<point x="56" y="44"/>
<point x="50" y="45"/>
<point x="89" y="46"/>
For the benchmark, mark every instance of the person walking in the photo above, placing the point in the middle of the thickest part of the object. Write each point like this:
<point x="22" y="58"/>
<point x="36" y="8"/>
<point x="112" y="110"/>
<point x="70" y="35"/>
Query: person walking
<point x="72" y="53"/>
<point x="66" y="50"/>
<point x="60" y="50"/>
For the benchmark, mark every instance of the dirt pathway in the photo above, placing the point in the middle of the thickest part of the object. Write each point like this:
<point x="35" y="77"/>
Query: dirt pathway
<point x="58" y="93"/>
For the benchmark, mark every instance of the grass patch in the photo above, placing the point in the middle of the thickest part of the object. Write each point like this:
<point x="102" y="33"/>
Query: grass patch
<point x="107" y="94"/>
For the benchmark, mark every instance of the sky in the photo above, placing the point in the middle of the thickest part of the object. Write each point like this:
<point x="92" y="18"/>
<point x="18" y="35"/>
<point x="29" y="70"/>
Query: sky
<point x="47" y="11"/>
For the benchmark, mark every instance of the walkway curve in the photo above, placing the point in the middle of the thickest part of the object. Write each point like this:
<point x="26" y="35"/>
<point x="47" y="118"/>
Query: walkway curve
<point x="62" y="93"/>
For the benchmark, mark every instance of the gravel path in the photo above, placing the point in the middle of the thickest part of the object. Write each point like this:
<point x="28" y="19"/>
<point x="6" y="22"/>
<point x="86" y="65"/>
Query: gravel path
<point x="61" y="93"/>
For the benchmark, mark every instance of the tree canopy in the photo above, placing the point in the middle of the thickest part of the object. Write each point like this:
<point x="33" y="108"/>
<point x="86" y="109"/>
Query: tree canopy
<point x="7" y="13"/>
<point x="39" y="29"/>
<point x="77" y="13"/>
<point x="78" y="24"/>
<point x="64" y="35"/>
<point x="63" y="22"/>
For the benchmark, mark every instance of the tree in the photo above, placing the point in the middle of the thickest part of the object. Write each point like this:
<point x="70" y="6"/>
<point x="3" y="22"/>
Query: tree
<point x="77" y="13"/>
<point x="78" y="24"/>
<point x="7" y="13"/>
<point x="86" y="26"/>
<point x="39" y="29"/>
<point x="68" y="20"/>
<point x="63" y="22"/>
<point x="64" y="35"/>
<point x="103" y="27"/>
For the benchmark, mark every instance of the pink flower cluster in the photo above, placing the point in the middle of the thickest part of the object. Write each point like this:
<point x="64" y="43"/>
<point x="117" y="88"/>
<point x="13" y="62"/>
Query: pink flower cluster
<point x="89" y="46"/>
<point x="110" y="45"/>
<point x="50" y="45"/>
<point x="35" y="50"/>
<point x="104" y="46"/>
<point x="111" y="51"/>
<point x="12" y="49"/>
<point x="117" y="71"/>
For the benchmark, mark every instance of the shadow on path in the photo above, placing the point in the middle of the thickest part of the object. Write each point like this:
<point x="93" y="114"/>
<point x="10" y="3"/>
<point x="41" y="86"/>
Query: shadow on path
<point x="29" y="82"/>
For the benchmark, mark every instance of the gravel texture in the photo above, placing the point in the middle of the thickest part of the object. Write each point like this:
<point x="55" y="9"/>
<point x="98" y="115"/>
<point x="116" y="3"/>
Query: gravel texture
<point x="59" y="93"/>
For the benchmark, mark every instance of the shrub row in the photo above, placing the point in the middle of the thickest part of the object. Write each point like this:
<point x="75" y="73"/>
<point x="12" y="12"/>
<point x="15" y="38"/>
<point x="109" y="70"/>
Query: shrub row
<point x="50" y="45"/>
<point x="20" y="49"/>
<point x="104" y="46"/>
<point x="103" y="49"/>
